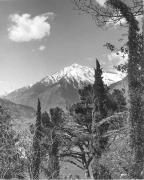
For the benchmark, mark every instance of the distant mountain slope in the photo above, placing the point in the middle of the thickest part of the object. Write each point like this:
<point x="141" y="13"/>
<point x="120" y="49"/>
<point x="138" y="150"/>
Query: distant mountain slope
<point x="59" y="89"/>
<point x="21" y="115"/>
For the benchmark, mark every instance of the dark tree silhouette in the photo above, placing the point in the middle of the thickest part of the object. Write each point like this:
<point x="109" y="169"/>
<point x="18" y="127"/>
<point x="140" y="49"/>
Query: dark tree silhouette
<point x="36" y="144"/>
<point x="52" y="129"/>
<point x="99" y="112"/>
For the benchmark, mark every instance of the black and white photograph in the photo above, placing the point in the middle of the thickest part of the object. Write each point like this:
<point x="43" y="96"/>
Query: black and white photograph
<point x="71" y="89"/>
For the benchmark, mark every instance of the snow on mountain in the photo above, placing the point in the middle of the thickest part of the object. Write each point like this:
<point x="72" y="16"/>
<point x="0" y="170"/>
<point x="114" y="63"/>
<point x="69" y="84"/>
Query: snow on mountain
<point x="59" y="89"/>
<point x="80" y="74"/>
<point x="73" y="73"/>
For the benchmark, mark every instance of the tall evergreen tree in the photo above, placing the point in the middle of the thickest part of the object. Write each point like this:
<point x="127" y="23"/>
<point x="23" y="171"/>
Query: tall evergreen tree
<point x="36" y="144"/>
<point x="57" y="121"/>
<point x="99" y="92"/>
<point x="99" y="112"/>
<point x="46" y="121"/>
<point x="52" y="129"/>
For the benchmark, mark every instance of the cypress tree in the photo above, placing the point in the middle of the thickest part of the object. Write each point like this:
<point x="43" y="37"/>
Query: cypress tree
<point x="46" y="121"/>
<point x="36" y="144"/>
<point x="57" y="121"/>
<point x="99" y="92"/>
<point x="50" y="142"/>
<point x="99" y="112"/>
<point x="53" y="162"/>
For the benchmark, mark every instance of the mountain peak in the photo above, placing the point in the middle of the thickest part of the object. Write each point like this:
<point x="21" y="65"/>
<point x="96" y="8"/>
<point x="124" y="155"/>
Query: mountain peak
<point x="80" y="74"/>
<point x="74" y="72"/>
<point x="61" y="88"/>
<point x="75" y="65"/>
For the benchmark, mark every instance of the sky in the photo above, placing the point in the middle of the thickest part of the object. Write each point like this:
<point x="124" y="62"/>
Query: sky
<point x="41" y="37"/>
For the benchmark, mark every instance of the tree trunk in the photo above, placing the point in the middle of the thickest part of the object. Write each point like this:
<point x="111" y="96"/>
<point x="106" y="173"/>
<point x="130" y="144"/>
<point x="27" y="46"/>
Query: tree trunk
<point x="87" y="173"/>
<point x="36" y="144"/>
<point x="135" y="84"/>
<point x="53" y="163"/>
<point x="136" y="118"/>
<point x="53" y="166"/>
<point x="36" y="160"/>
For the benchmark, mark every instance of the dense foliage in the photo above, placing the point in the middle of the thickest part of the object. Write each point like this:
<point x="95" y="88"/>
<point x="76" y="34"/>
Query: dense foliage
<point x="11" y="165"/>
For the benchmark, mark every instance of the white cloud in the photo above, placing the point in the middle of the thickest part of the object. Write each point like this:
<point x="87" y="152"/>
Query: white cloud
<point x="117" y="59"/>
<point x="101" y="2"/>
<point x="120" y="22"/>
<point x="24" y="28"/>
<point x="42" y="48"/>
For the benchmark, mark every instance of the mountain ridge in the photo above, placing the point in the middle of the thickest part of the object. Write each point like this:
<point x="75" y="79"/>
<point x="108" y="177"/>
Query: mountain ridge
<point x="61" y="88"/>
<point x="21" y="115"/>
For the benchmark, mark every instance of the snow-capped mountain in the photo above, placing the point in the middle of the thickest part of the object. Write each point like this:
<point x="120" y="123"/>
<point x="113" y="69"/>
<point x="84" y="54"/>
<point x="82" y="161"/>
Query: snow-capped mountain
<point x="61" y="88"/>
<point x="80" y="74"/>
